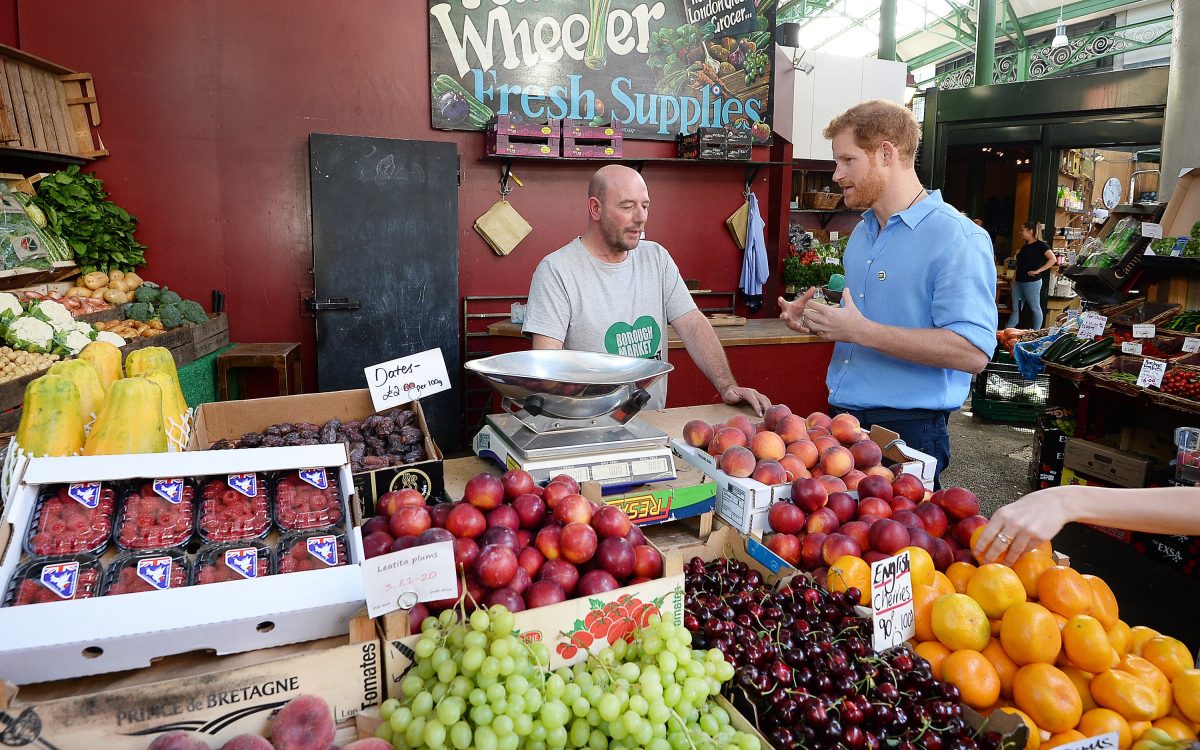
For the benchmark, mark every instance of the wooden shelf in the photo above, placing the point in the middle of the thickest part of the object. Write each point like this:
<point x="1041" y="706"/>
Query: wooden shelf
<point x="18" y="278"/>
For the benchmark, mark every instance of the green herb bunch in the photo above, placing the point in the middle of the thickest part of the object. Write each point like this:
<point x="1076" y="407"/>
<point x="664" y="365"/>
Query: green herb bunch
<point x="99" y="232"/>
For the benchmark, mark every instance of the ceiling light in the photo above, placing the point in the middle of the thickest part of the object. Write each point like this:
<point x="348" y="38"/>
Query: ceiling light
<point x="1060" y="32"/>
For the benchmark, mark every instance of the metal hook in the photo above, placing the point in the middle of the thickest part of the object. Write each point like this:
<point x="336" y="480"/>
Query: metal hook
<point x="505" y="173"/>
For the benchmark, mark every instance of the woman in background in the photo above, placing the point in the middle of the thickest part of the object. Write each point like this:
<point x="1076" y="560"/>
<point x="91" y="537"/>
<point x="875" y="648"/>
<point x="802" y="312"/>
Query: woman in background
<point x="1034" y="257"/>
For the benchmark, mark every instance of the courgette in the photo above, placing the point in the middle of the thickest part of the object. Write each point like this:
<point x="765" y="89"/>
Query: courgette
<point x="1073" y="353"/>
<point x="1060" y="344"/>
<point x="1095" y="346"/>
<point x="1094" y="358"/>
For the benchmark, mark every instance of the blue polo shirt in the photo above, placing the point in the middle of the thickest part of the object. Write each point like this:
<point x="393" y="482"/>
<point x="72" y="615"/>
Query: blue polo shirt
<point x="928" y="267"/>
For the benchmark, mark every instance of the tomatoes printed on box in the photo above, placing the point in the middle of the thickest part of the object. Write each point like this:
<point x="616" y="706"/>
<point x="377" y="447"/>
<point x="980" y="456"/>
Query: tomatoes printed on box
<point x="54" y="580"/>
<point x="232" y="561"/>
<point x="155" y="570"/>
<point x="234" y="508"/>
<point x="150" y="520"/>
<point x="307" y="499"/>
<point x="72" y="519"/>
<point x="311" y="550"/>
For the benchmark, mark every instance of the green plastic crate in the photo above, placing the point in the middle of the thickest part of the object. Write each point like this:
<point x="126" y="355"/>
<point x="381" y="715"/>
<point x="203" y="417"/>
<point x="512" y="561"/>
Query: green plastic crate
<point x="1006" y="411"/>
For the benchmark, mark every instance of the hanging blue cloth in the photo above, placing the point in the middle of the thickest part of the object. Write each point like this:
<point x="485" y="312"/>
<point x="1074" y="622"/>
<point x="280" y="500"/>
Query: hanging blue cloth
<point x="755" y="266"/>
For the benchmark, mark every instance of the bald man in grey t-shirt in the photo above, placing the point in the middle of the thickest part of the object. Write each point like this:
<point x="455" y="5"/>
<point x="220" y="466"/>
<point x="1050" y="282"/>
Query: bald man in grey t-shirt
<point x="610" y="291"/>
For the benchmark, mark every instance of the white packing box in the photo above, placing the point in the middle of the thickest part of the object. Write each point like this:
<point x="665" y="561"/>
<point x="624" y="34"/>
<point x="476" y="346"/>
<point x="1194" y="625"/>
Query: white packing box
<point x="742" y="503"/>
<point x="57" y="640"/>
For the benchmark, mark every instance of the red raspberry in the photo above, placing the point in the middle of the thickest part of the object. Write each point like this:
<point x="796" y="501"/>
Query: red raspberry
<point x="228" y="515"/>
<point x="300" y="506"/>
<point x="150" y="522"/>
<point x="295" y="557"/>
<point x="31" y="590"/>
<point x="66" y="527"/>
<point x="128" y="581"/>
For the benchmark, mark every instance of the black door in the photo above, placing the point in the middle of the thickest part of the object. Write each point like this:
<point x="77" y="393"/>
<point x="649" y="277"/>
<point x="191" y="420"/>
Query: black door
<point x="385" y="262"/>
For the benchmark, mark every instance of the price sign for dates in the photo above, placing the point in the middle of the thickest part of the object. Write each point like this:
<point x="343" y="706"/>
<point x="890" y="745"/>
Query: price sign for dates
<point x="892" y="616"/>
<point x="1143" y="330"/>
<point x="1091" y="325"/>
<point x="398" y="580"/>
<point x="1191" y="344"/>
<point x="1151" y="374"/>
<point x="407" y="379"/>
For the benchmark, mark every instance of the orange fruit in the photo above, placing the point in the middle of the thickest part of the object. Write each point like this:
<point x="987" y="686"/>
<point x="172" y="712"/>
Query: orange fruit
<point x="943" y="584"/>
<point x="1006" y="668"/>
<point x="976" y="679"/>
<point x="1138" y="635"/>
<point x="848" y="572"/>
<point x="1125" y="693"/>
<point x="1064" y="591"/>
<point x="923" y="599"/>
<point x="1137" y="729"/>
<point x="1168" y="654"/>
<point x="1048" y="696"/>
<point x="1105" y="610"/>
<point x="1086" y="644"/>
<point x="934" y="653"/>
<point x="994" y="625"/>
<point x="1034" y="740"/>
<point x="1152" y="676"/>
<point x="959" y="622"/>
<point x="996" y="587"/>
<point x="1101" y="720"/>
<point x="975" y="538"/>
<point x="959" y="573"/>
<point x="1186" y="690"/>
<point x="1029" y="634"/>
<point x="1029" y="567"/>
<point x="1176" y="728"/>
<point x="921" y="566"/>
<point x="1120" y="637"/>
<point x="1082" y="681"/>
<point x="1062" y="738"/>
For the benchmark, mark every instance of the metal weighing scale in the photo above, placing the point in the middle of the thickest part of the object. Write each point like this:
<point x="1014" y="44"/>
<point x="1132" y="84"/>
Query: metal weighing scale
<point x="569" y="412"/>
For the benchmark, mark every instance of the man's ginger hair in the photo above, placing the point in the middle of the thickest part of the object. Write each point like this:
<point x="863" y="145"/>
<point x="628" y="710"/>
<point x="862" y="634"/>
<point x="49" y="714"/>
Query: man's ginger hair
<point x="876" y="121"/>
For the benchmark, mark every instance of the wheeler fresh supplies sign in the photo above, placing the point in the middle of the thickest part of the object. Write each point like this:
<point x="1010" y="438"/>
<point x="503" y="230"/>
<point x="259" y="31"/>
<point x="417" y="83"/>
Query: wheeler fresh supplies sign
<point x="659" y="68"/>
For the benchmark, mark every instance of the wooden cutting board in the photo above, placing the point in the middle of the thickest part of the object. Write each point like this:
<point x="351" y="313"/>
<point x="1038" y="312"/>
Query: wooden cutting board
<point x="721" y="319"/>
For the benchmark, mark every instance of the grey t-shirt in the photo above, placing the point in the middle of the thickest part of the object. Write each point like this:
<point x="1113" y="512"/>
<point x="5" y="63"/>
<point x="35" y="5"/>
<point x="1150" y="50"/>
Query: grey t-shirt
<point x="615" y="308"/>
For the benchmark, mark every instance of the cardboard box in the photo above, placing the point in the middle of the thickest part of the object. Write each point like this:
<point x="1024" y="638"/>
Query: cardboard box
<point x="1180" y="552"/>
<point x="216" y="697"/>
<point x="80" y="637"/>
<point x="1104" y="460"/>
<point x="1183" y="210"/>
<point x="229" y="420"/>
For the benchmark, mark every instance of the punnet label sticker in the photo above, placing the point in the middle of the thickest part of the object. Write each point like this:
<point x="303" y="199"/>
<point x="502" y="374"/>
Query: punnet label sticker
<point x="324" y="548"/>
<point x="243" y="561"/>
<point x="247" y="484"/>
<point x="86" y="494"/>
<point x="61" y="578"/>
<point x="316" y="477"/>
<point x="155" y="571"/>
<point x="170" y="490"/>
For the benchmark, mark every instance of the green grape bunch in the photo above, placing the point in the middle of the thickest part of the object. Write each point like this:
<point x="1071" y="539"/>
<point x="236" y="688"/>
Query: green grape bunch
<point x="756" y="65"/>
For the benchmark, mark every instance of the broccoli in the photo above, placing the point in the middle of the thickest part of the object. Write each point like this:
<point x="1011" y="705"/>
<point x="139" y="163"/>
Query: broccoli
<point x="148" y="292"/>
<point x="167" y="297"/>
<point x="193" y="312"/>
<point x="171" y="316"/>
<point x="142" y="311"/>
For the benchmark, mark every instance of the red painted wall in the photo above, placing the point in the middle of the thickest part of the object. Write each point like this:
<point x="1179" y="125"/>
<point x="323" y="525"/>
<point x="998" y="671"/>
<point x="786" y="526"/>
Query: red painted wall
<point x="207" y="107"/>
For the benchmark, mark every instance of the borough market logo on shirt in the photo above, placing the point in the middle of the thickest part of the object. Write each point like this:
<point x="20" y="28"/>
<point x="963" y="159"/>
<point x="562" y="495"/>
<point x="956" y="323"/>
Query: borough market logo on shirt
<point x="638" y="340"/>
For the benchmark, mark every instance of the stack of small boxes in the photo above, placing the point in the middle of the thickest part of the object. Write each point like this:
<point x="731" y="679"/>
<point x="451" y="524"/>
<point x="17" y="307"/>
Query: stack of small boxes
<point x="581" y="140"/>
<point x="509" y="136"/>
<point x="724" y="144"/>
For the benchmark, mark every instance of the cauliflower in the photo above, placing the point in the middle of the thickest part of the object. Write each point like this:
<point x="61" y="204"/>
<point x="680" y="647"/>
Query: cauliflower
<point x="83" y="327"/>
<point x="70" y="342"/>
<point x="10" y="306"/>
<point x="53" y="313"/>
<point x="111" y="338"/>
<point x="30" y="334"/>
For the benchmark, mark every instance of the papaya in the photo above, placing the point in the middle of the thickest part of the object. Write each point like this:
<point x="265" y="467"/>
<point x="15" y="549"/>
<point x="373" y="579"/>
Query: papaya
<point x="52" y="418"/>
<point x="130" y="422"/>
<point x="87" y="380"/>
<point x="151" y="358"/>
<point x="173" y="406"/>
<point x="107" y="360"/>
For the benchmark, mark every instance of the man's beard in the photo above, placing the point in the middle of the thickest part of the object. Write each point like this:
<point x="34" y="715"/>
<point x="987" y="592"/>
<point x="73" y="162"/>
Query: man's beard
<point x="615" y="237"/>
<point x="867" y="190"/>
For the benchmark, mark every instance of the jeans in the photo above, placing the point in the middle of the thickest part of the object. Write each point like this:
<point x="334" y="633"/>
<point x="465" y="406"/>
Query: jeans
<point x="920" y="429"/>
<point x="1030" y="293"/>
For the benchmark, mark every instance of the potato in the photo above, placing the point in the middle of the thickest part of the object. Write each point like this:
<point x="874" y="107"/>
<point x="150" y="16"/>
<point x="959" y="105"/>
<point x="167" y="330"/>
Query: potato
<point x="116" y="296"/>
<point x="95" y="280"/>
<point x="132" y="281"/>
<point x="148" y="333"/>
<point x="99" y="293"/>
<point x="79" y="291"/>
<point x="116" y="275"/>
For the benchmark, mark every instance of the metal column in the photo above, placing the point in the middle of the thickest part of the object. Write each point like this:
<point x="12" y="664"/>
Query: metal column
<point x="985" y="43"/>
<point x="887" y="29"/>
<point x="1180" y="147"/>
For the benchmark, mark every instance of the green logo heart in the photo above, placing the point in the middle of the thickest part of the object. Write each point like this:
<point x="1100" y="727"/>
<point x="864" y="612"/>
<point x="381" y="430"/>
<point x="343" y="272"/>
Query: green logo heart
<point x="641" y="339"/>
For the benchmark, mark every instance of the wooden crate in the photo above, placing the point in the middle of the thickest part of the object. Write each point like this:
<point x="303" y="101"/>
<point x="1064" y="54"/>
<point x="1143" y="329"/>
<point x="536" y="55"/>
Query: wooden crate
<point x="47" y="108"/>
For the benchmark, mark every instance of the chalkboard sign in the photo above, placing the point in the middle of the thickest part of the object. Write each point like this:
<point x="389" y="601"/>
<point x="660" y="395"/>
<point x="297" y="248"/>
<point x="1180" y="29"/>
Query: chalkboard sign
<point x="660" y="68"/>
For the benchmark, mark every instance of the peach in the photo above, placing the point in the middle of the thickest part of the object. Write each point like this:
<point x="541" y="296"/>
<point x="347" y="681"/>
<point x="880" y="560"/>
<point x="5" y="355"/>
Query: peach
<point x="305" y="721"/>
<point x="772" y="416"/>
<point x="816" y="432"/>
<point x="805" y="450"/>
<point x="787" y="546"/>
<point x="728" y="437"/>
<point x="880" y="471"/>
<point x="837" y="461"/>
<point x="794" y="467"/>
<point x="791" y="428"/>
<point x="742" y="422"/>
<point x="737" y="461"/>
<point x="815" y="472"/>
<point x="819" y="419"/>
<point x="768" y="445"/>
<point x="832" y="484"/>
<point x="759" y="427"/>
<point x="809" y="494"/>
<point x="845" y="428"/>
<point x="852" y="479"/>
<point x="866" y="454"/>
<point x="825" y="442"/>
<point x="698" y="433"/>
<point x="810" y="549"/>
<point x="822" y="520"/>
<point x="908" y="485"/>
<point x="836" y="545"/>
<point x="253" y="742"/>
<point x="858" y="531"/>
<point x="769" y="472"/>
<point x="959" y="503"/>
<point x="786" y="518"/>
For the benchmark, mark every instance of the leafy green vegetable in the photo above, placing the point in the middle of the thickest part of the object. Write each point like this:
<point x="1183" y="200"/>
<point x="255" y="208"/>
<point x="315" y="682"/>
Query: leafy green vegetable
<point x="170" y="315"/>
<point x="167" y="297"/>
<point x="192" y="312"/>
<point x="142" y="311"/>
<point x="147" y="293"/>
<point x="99" y="232"/>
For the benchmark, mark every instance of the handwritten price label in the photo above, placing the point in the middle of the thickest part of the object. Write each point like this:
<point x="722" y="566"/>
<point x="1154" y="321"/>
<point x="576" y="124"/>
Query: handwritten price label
<point x="1131" y="347"/>
<point x="1151" y="374"/>
<point x="892" y="616"/>
<point x="1143" y="330"/>
<point x="1091" y="325"/>
<point x="1107" y="741"/>
<point x="407" y="379"/>
<point x="1191" y="344"/>
<point x="399" y="580"/>
<point x="1151" y="230"/>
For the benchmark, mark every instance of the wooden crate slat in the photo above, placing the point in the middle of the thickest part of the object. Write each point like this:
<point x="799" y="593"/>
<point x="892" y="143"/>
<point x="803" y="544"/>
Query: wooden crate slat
<point x="29" y="92"/>
<point x="8" y="121"/>
<point x="46" y="111"/>
<point x="20" y="115"/>
<point x="84" y="113"/>
<point x="56" y="103"/>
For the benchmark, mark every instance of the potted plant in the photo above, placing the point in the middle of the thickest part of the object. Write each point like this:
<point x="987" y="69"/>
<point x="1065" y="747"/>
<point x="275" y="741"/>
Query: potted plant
<point x="808" y="269"/>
